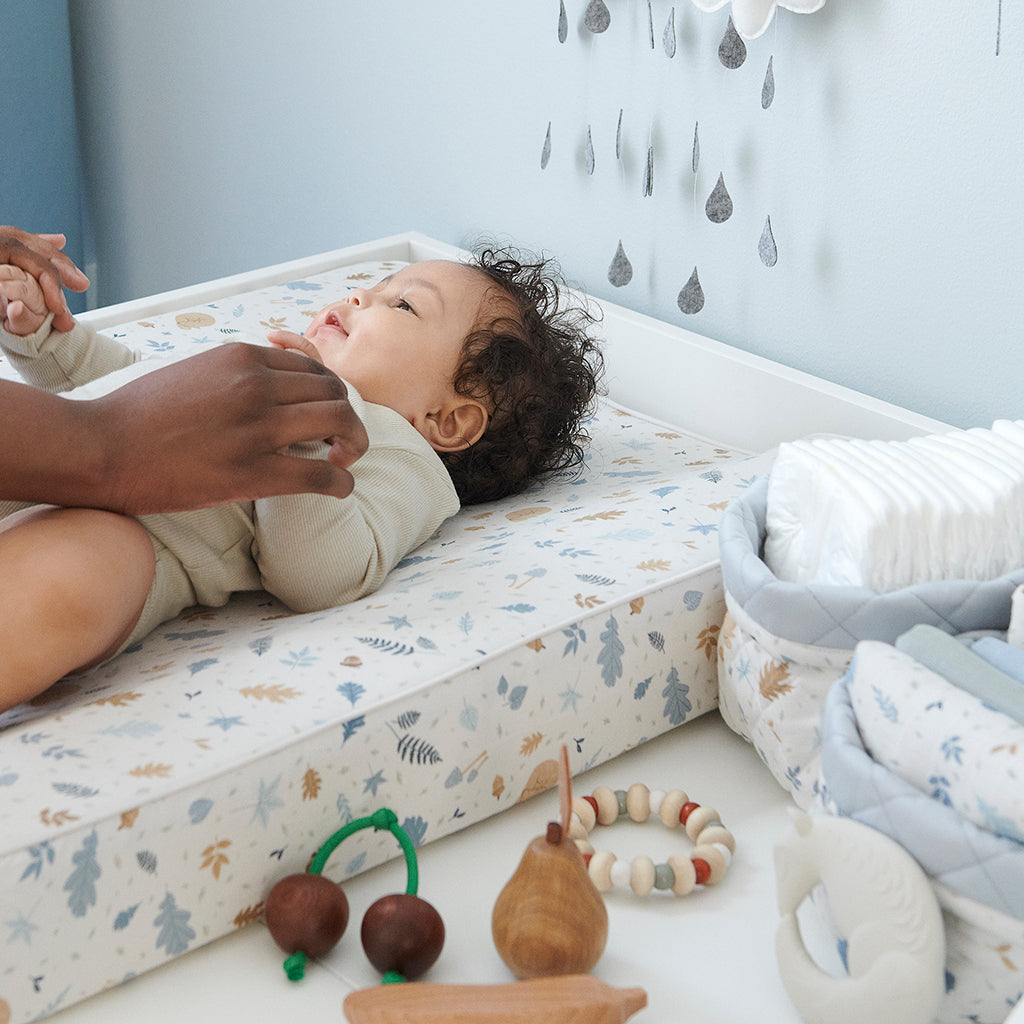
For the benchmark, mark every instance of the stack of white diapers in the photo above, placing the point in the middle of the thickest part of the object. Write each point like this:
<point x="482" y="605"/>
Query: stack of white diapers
<point x="886" y="515"/>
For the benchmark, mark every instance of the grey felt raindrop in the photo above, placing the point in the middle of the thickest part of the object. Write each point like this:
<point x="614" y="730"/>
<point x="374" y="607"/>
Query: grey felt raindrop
<point x="691" y="298"/>
<point x="621" y="270"/>
<point x="668" y="37"/>
<point x="649" y="173"/>
<point x="588" y="154"/>
<point x="597" y="17"/>
<point x="545" y="153"/>
<point x="563" y="22"/>
<point x="766" y="247"/>
<point x="732" y="51"/>
<point x="768" y="89"/>
<point x="719" y="204"/>
<point x="618" y="137"/>
<point x="695" y="161"/>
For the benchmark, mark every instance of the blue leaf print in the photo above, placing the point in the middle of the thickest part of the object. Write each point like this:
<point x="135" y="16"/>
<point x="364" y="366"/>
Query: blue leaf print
<point x="196" y="634"/>
<point x="657" y="641"/>
<point x="300" y="659"/>
<point x="74" y="789"/>
<point x="147" y="861"/>
<point x="416" y="828"/>
<point x="344" y="809"/>
<point x="677" y="704"/>
<point x="662" y="491"/>
<point x="136" y="730"/>
<point x="399" y="622"/>
<point x="447" y="595"/>
<point x="998" y="823"/>
<point x="469" y="717"/>
<point x="641" y="688"/>
<point x="610" y="658"/>
<point x="454" y="778"/>
<point x="355" y="865"/>
<point x="502" y="686"/>
<point x="952" y="750"/>
<point x="714" y="475"/>
<point x="570" y="698"/>
<point x="303" y="286"/>
<point x="374" y="782"/>
<point x="576" y="637"/>
<point x="692" y="599"/>
<point x="466" y="624"/>
<point x="238" y="310"/>
<point x="124" y="918"/>
<point x="261" y="646"/>
<point x="175" y="933"/>
<point x="793" y="774"/>
<point x="81" y="883"/>
<point x="516" y="696"/>
<point x="9" y="779"/>
<point x="266" y="802"/>
<point x="520" y="608"/>
<point x="199" y="809"/>
<point x="885" y="705"/>
<point x="426" y="643"/>
<point x="351" y="691"/>
<point x="43" y="853"/>
<point x="225" y="722"/>
<point x="350" y="727"/>
<point x="703" y="528"/>
<point x="386" y="646"/>
<point x="941" y="790"/>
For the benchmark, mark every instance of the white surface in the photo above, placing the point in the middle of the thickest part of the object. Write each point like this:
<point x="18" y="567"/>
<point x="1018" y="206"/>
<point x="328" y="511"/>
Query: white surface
<point x="707" y="958"/>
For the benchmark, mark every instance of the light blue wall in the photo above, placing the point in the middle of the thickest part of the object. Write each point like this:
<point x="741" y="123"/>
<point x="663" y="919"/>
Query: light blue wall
<point x="40" y="183"/>
<point x="222" y="135"/>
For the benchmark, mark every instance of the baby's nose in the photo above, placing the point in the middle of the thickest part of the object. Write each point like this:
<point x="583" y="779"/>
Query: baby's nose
<point x="356" y="297"/>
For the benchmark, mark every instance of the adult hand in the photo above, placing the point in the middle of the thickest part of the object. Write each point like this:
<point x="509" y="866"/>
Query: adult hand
<point x="216" y="427"/>
<point x="41" y="256"/>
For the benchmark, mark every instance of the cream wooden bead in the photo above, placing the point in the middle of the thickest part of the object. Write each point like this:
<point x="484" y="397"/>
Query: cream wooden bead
<point x="714" y="860"/>
<point x="698" y="819"/>
<point x="607" y="805"/>
<point x="724" y="851"/>
<point x="671" y="806"/>
<point x="683" y="871"/>
<point x="638" y="802"/>
<point x="585" y="847"/>
<point x="600" y="870"/>
<point x="716" y="833"/>
<point x="584" y="811"/>
<point x="641" y="875"/>
<point x="657" y="795"/>
<point x="577" y="830"/>
<point x="620" y="874"/>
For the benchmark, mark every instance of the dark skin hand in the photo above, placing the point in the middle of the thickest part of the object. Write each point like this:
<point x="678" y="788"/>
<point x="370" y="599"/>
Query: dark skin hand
<point x="207" y="430"/>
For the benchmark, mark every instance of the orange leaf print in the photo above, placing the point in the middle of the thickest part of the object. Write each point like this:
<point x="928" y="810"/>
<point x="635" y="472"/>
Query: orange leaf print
<point x="311" y="783"/>
<point x="707" y="640"/>
<point x="772" y="682"/>
<point x="531" y="743"/>
<point x="215" y="858"/>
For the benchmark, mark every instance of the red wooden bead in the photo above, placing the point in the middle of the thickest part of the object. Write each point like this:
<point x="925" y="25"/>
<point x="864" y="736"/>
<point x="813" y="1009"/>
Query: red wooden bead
<point x="307" y="912"/>
<point x="593" y="803"/>
<point x="402" y="933"/>
<point x="703" y="869"/>
<point x="686" y="810"/>
<point x="586" y="858"/>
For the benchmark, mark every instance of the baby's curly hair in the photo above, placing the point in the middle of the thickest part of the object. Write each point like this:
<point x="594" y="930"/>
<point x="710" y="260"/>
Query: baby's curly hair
<point x="533" y="364"/>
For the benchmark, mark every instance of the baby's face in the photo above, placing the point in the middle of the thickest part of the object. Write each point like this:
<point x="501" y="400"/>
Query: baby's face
<point x="399" y="342"/>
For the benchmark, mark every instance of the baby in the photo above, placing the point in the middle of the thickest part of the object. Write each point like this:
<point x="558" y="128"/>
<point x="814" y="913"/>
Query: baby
<point x="472" y="379"/>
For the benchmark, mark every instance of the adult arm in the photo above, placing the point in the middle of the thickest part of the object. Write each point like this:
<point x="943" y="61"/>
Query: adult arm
<point x="41" y="256"/>
<point x="204" y="431"/>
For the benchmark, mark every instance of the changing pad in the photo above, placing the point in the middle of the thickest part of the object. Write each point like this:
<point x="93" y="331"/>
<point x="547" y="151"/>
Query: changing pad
<point x="149" y="805"/>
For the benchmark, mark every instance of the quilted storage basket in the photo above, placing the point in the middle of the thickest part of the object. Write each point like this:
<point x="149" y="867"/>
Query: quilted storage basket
<point x="783" y="645"/>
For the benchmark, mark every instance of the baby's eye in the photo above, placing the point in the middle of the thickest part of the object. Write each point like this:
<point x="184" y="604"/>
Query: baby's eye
<point x="404" y="304"/>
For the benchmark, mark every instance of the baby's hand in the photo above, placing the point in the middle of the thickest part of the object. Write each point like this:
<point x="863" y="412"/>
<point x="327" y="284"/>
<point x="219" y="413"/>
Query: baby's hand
<point x="22" y="304"/>
<point x="289" y="339"/>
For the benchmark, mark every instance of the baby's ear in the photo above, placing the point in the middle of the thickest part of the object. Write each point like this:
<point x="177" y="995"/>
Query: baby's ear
<point x="458" y="425"/>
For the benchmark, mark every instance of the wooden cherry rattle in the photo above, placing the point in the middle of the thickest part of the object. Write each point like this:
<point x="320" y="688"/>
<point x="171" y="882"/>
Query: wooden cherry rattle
<point x="306" y="914"/>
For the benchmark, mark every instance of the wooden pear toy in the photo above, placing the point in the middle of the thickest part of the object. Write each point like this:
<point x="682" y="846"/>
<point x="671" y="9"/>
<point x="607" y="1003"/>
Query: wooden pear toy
<point x="550" y="919"/>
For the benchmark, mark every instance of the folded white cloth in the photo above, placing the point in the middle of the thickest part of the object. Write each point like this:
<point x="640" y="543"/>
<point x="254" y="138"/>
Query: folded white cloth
<point x="939" y="738"/>
<point x="888" y="514"/>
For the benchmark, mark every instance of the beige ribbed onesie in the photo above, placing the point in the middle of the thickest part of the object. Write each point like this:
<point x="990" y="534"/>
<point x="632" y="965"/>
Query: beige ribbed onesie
<point x="309" y="550"/>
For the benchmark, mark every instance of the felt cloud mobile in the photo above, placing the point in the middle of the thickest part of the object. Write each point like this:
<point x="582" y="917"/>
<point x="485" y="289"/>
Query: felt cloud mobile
<point x="752" y="17"/>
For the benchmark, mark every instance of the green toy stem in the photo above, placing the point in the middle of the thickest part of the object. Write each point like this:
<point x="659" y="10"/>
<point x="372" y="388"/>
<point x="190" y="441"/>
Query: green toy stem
<point x="383" y="820"/>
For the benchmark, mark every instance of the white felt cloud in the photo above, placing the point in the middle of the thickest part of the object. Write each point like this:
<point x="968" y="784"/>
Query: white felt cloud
<point x="752" y="17"/>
